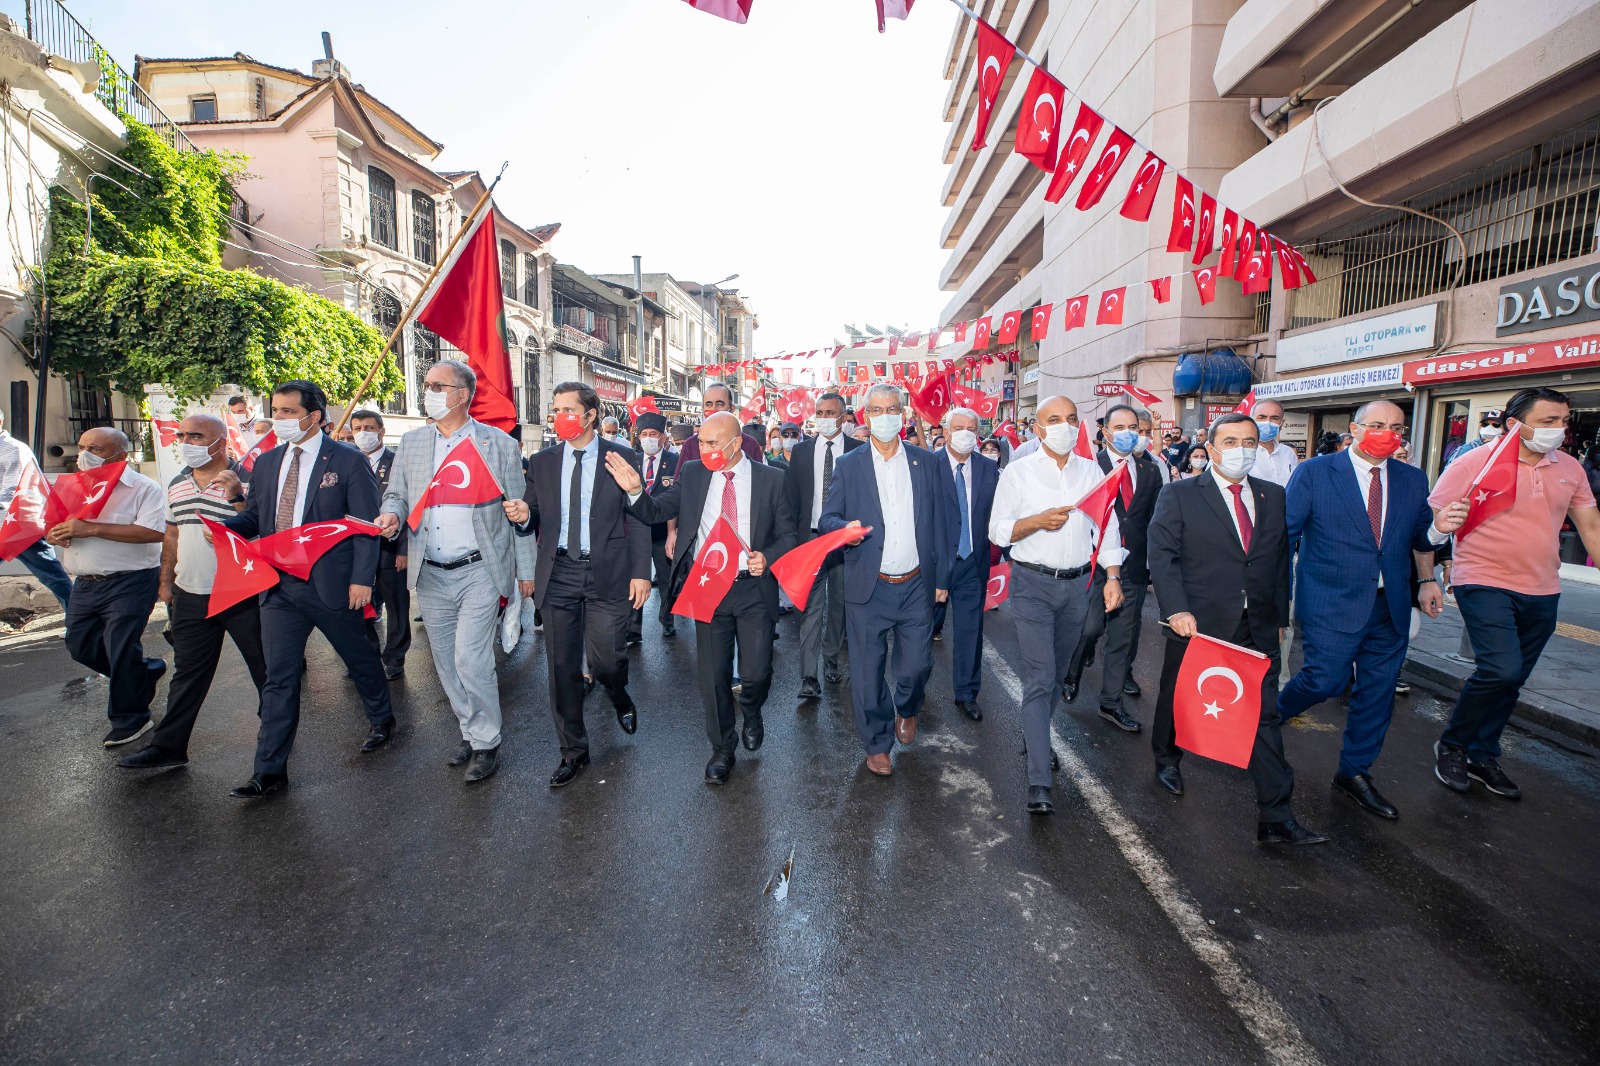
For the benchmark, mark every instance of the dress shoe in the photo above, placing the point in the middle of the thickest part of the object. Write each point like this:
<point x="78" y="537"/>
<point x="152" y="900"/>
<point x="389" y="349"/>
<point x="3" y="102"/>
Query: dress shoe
<point x="259" y="785"/>
<point x="971" y="709"/>
<point x="484" y="764"/>
<point x="1359" y="788"/>
<point x="1171" y="779"/>
<point x="831" y="673"/>
<point x="938" y="634"/>
<point x="1287" y="831"/>
<point x="1088" y="656"/>
<point x="1131" y="688"/>
<point x="1486" y="771"/>
<point x="635" y="638"/>
<point x="394" y="673"/>
<point x="810" y="689"/>
<point x="669" y="630"/>
<point x="1069" y="689"/>
<point x="462" y="754"/>
<point x="719" y="768"/>
<point x="152" y="758"/>
<point x="123" y="734"/>
<point x="588" y="685"/>
<point x="1039" y="801"/>
<point x="880" y="765"/>
<point x="567" y="771"/>
<point x="154" y="670"/>
<point x="378" y="736"/>
<point x="1121" y="719"/>
<point x="905" y="728"/>
<point x="628" y="718"/>
<point x="753" y="733"/>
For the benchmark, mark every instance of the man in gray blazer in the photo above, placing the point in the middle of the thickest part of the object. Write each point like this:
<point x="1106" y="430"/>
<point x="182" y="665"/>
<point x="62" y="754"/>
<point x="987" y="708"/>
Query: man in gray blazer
<point x="463" y="559"/>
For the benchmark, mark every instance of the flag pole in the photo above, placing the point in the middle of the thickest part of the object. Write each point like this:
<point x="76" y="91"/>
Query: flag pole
<point x="466" y="224"/>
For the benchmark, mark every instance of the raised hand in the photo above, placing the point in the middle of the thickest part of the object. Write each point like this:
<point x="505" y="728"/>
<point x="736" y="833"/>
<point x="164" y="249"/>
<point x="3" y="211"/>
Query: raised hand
<point x="623" y="473"/>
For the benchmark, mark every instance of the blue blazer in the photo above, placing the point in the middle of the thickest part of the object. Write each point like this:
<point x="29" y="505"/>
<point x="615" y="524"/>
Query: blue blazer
<point x="1339" y="563"/>
<point x="985" y="479"/>
<point x="853" y="495"/>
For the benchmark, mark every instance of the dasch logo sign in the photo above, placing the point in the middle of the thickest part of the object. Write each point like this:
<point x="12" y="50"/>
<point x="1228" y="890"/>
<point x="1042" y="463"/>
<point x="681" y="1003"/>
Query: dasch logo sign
<point x="1553" y="300"/>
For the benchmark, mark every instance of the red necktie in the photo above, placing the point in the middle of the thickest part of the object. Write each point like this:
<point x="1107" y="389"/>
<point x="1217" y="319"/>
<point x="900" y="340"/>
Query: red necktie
<point x="730" y="501"/>
<point x="1246" y="527"/>
<point x="1375" y="504"/>
<point x="1127" y="486"/>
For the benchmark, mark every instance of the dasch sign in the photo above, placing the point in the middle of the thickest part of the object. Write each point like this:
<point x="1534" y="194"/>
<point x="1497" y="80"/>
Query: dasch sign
<point x="1553" y="300"/>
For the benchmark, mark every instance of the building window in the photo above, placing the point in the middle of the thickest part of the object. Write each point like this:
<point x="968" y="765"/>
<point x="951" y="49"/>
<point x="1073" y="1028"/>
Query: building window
<point x="533" y="403"/>
<point x="385" y="317"/>
<point x="508" y="269"/>
<point x="380" y="198"/>
<point x="530" y="280"/>
<point x="424" y="228"/>
<point x="203" y="108"/>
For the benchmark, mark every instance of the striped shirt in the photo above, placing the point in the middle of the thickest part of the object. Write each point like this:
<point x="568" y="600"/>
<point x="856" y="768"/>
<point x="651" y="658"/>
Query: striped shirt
<point x="186" y="503"/>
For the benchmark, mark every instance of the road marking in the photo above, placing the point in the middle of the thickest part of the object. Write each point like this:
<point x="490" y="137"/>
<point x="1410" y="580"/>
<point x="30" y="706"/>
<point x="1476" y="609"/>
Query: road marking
<point x="1588" y="636"/>
<point x="1266" y="1019"/>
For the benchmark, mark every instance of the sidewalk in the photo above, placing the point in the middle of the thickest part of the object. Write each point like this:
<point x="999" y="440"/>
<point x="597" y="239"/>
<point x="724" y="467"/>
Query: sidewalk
<point x="1561" y="694"/>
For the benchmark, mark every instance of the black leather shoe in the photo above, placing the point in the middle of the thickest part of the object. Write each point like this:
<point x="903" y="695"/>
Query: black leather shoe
<point x="1039" y="801"/>
<point x="628" y="718"/>
<point x="567" y="771"/>
<point x="1069" y="689"/>
<point x="259" y="785"/>
<point x="754" y="733"/>
<point x="120" y="735"/>
<point x="484" y="764"/>
<point x="394" y="673"/>
<point x="719" y="768"/>
<point x="810" y="689"/>
<point x="155" y="669"/>
<point x="1287" y="831"/>
<point x="669" y="630"/>
<point x="152" y="758"/>
<point x="1359" y="788"/>
<point x="1121" y="719"/>
<point x="462" y="754"/>
<point x="971" y="709"/>
<point x="378" y="736"/>
<point x="1088" y="657"/>
<point x="1132" y="689"/>
<point x="1170" y="779"/>
<point x="831" y="673"/>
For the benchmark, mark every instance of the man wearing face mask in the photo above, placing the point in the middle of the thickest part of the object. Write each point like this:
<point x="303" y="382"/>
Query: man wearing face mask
<point x="1275" y="460"/>
<point x="719" y="398"/>
<point x="390" y="594"/>
<point x="1052" y="549"/>
<point x="969" y="482"/>
<point x="593" y="570"/>
<point x="610" y="430"/>
<point x="1507" y="580"/>
<point x="1147" y="426"/>
<point x="115" y="563"/>
<point x="660" y="472"/>
<point x="1219" y="559"/>
<point x="1360" y="523"/>
<point x="209" y="486"/>
<point x="1491" y="424"/>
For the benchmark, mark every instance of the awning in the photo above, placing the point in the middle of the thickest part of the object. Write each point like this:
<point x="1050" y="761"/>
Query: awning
<point x="612" y="370"/>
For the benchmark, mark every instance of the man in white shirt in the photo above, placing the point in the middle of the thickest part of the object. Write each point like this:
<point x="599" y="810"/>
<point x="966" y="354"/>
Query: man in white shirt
<point x="1052" y="552"/>
<point x="39" y="557"/>
<point x="115" y="562"/>
<point x="1275" y="460"/>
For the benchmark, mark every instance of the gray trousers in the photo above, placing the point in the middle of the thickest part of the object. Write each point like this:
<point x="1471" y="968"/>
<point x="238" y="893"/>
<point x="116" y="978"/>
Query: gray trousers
<point x="822" y="623"/>
<point x="461" y="610"/>
<point x="1048" y="613"/>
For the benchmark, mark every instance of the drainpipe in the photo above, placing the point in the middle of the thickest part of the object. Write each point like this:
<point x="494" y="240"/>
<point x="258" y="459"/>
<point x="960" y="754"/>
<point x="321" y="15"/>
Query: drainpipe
<point x="1260" y="119"/>
<point x="638" y="288"/>
<point x="1298" y="97"/>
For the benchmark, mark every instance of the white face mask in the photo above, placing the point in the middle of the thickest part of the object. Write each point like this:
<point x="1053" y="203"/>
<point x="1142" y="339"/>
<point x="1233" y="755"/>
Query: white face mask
<point x="1143" y="445"/>
<point x="1546" y="440"/>
<point x="1198" y="462"/>
<point x="827" y="427"/>
<point x="369" y="441"/>
<point x="88" y="460"/>
<point x="1061" y="437"/>
<point x="1489" y="432"/>
<point x="650" y="445"/>
<point x="609" y="438"/>
<point x="886" y="428"/>
<point x="195" y="456"/>
<point x="1236" y="462"/>
<point x="436" y="405"/>
<point x="287" y="430"/>
<point x="963" y="441"/>
<point x="789" y="443"/>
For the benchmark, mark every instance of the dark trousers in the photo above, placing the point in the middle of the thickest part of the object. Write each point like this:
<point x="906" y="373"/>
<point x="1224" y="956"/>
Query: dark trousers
<point x="965" y="609"/>
<point x="741" y="621"/>
<point x="822" y="622"/>
<point x="196" y="649"/>
<point x="391" y="596"/>
<point x="1048" y="613"/>
<point x="1269" y="768"/>
<point x="288" y="615"/>
<point x="577" y="623"/>
<point x="662" y="581"/>
<point x="40" y="559"/>
<point x="903" y="612"/>
<point x="1376" y="651"/>
<point x="1120" y="628"/>
<point x="105" y="623"/>
<point x="1509" y="631"/>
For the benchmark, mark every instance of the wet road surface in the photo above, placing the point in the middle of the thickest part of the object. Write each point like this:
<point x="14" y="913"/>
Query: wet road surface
<point x="381" y="912"/>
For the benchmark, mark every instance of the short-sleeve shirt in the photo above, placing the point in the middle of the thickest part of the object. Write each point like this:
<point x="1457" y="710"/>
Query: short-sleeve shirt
<point x="187" y="502"/>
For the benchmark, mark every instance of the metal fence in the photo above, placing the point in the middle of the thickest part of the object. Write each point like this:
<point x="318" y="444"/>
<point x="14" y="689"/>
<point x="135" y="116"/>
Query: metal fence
<point x="1534" y="207"/>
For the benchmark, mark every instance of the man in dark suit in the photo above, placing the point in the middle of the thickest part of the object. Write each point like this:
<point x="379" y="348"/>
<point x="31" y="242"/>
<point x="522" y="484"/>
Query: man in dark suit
<point x="312" y="478"/>
<point x="593" y="569"/>
<point x="1219" y="556"/>
<point x="660" y="466"/>
<point x="808" y="479"/>
<point x="892" y="577"/>
<point x="969" y="482"/>
<point x="1361" y="523"/>
<point x="1121" y="627"/>
<point x="725" y="483"/>
<point x="390" y="594"/>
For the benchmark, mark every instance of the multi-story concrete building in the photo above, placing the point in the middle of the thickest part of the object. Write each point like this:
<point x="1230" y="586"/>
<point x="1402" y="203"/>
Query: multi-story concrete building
<point x="679" y="336"/>
<point x="728" y="332"/>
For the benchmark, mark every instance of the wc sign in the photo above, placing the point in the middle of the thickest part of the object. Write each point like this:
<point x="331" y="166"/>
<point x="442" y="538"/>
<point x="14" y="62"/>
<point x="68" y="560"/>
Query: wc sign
<point x="1553" y="300"/>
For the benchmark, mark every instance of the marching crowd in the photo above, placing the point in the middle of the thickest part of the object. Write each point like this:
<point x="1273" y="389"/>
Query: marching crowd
<point x="1232" y="531"/>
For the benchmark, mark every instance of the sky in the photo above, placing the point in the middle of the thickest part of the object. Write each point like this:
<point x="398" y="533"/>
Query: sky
<point x="800" y="151"/>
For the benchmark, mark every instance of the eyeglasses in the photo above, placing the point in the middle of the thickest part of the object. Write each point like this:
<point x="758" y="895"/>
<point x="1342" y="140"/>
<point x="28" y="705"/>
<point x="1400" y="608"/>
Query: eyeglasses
<point x="440" y="386"/>
<point x="1398" y="427"/>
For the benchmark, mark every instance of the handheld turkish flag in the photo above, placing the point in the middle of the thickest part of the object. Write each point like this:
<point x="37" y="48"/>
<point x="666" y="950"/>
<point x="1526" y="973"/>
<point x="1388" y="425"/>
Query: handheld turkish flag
<point x="891" y="9"/>
<point x="1077" y="312"/>
<point x="998" y="590"/>
<point x="1245" y="404"/>
<point x="1110" y="313"/>
<point x="464" y="305"/>
<point x="463" y="477"/>
<point x="1217" y="704"/>
<point x="933" y="399"/>
<point x="1230" y="242"/>
<point x="1205" y="237"/>
<point x="84" y="494"/>
<point x="1008" y="430"/>
<point x="1071" y="160"/>
<point x="167" y="431"/>
<point x="265" y="444"/>
<point x="1111" y="159"/>
<point x="796" y="405"/>
<point x="295" y="551"/>
<point x="732" y="10"/>
<point x="25" y="522"/>
<point x="796" y="570"/>
<point x="1495" y="488"/>
<point x="1010" y="326"/>
<point x="994" y="58"/>
<point x="1084" y="444"/>
<point x="639" y="405"/>
<point x="713" y="573"/>
<point x="241" y="573"/>
<point x="1144" y="396"/>
<point x="1098" y="502"/>
<point x="1181" y="235"/>
<point x="986" y="405"/>
<point x="1039" y="121"/>
<point x="1040" y="326"/>
<point x="756" y="407"/>
<point x="1142" y="193"/>
<point x="1205" y="283"/>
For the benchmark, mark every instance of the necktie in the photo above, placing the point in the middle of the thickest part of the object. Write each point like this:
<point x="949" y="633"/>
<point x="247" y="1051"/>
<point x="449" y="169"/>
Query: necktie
<point x="966" y="518"/>
<point x="1375" y="504"/>
<point x="290" y="493"/>
<point x="827" y="470"/>
<point x="650" y="471"/>
<point x="730" y="501"/>
<point x="575" y="505"/>
<point x="1127" y="485"/>
<point x="1246" y="527"/>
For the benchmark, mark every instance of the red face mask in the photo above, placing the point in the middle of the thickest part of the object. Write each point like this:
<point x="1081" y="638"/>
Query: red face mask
<point x="713" y="461"/>
<point x="1381" y="443"/>
<point x="569" y="426"/>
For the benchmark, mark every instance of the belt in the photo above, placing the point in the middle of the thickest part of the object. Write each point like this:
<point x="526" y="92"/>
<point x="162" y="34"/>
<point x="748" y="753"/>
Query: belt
<point x="1050" y="571"/>
<point x="582" y="556"/>
<point x="745" y="575"/>
<point x="457" y="564"/>
<point x="900" y="579"/>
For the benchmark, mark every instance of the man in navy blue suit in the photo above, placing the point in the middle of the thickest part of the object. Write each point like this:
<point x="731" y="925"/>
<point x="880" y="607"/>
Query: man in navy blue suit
<point x="1361" y="524"/>
<point x="969" y="482"/>
<point x="311" y="477"/>
<point x="892" y="577"/>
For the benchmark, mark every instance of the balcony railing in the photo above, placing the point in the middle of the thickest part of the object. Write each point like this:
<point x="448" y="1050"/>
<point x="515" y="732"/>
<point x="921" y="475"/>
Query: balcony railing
<point x="576" y="340"/>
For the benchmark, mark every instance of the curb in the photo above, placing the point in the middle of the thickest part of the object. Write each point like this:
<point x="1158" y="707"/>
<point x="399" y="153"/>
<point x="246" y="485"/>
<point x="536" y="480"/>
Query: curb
<point x="1575" y="723"/>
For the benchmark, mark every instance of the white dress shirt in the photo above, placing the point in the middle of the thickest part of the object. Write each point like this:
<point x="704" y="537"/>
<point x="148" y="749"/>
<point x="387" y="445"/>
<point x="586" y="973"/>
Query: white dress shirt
<point x="1276" y="465"/>
<point x="591" y="460"/>
<point x="713" y="505"/>
<point x="135" y="501"/>
<point x="447" y="528"/>
<point x="899" y="512"/>
<point x="1033" y="484"/>
<point x="821" y="452"/>
<point x="1025" y="449"/>
<point x="1247" y="496"/>
<point x="308" y="459"/>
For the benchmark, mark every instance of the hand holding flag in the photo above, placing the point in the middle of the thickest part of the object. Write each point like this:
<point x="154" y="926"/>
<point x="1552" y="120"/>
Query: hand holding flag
<point x="241" y="573"/>
<point x="463" y="478"/>
<point x="1218" y="720"/>
<point x="713" y="573"/>
<point x="295" y="551"/>
<point x="1495" y="488"/>
<point x="797" y="569"/>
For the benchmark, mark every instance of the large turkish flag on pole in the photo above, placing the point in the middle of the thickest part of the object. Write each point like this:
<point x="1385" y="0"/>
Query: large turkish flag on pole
<point x="796" y="570"/>
<point x="796" y="405"/>
<point x="1217" y="704"/>
<point x="713" y="573"/>
<point x="463" y="477"/>
<point x="464" y="306"/>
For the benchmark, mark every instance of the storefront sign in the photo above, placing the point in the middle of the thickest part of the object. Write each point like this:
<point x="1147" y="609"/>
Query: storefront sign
<point x="1396" y="333"/>
<point x="1529" y="359"/>
<point x="1030" y="375"/>
<point x="1334" y="381"/>
<point x="1108" y="388"/>
<point x="1553" y="300"/>
<point x="611" y="388"/>
<point x="1008" y="389"/>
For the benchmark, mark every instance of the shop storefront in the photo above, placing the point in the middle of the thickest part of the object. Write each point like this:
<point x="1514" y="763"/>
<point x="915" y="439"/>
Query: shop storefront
<point x="1314" y="404"/>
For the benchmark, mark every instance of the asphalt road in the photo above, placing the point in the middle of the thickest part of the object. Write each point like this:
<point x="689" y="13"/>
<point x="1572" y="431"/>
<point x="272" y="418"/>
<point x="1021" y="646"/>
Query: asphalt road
<point x="381" y="912"/>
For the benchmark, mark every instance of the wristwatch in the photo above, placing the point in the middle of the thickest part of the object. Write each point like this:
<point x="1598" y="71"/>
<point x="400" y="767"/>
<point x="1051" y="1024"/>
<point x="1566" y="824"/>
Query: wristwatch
<point x="236" y="499"/>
